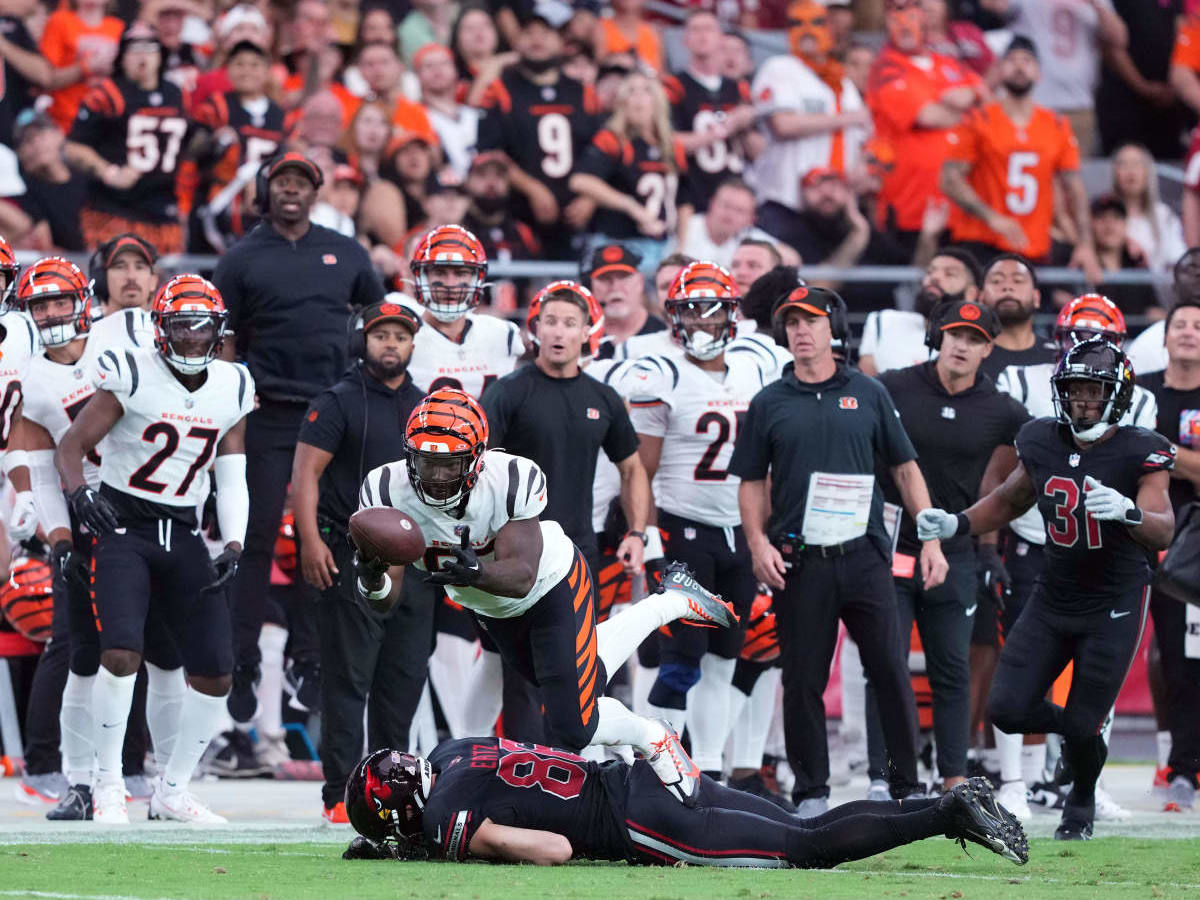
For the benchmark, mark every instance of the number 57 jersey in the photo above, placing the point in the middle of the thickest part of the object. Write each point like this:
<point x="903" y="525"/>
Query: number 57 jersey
<point x="168" y="435"/>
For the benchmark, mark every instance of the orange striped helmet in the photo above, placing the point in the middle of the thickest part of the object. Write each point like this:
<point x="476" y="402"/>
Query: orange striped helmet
<point x="11" y="272"/>
<point x="445" y="438"/>
<point x="1088" y="316"/>
<point x="595" y="313"/>
<point x="449" y="249"/>
<point x="189" y="323"/>
<point x="27" y="598"/>
<point x="762" y="640"/>
<point x="55" y="278"/>
<point x="703" y="298"/>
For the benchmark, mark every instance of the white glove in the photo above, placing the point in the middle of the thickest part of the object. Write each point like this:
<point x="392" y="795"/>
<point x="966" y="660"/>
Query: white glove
<point x="654" y="545"/>
<point x="23" y="522"/>
<point x="936" y="525"/>
<point x="1105" y="504"/>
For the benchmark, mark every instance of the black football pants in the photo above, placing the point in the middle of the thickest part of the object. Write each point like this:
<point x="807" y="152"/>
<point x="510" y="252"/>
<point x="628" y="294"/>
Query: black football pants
<point x="1182" y="678"/>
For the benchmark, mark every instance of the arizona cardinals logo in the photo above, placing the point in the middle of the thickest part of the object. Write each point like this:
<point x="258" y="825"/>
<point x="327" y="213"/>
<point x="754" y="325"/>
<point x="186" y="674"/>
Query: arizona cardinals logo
<point x="376" y="792"/>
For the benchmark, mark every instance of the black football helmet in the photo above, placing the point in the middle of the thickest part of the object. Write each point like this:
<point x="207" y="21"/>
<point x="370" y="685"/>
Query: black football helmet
<point x="1100" y="361"/>
<point x="385" y="800"/>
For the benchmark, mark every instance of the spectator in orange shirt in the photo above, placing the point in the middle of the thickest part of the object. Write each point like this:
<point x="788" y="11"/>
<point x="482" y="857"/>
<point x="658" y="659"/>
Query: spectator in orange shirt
<point x="1004" y="163"/>
<point x="1185" y="62"/>
<point x="79" y="34"/>
<point x="628" y="32"/>
<point x="915" y="97"/>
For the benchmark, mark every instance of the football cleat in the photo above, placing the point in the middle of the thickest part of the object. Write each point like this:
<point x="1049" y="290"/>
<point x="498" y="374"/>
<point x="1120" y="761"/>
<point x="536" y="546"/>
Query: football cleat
<point x="1181" y="795"/>
<point x="879" y="791"/>
<point x="1012" y="796"/>
<point x="138" y="787"/>
<point x="181" y="806"/>
<point x="75" y="807"/>
<point x="49" y="788"/>
<point x="704" y="607"/>
<point x="1162" y="780"/>
<point x="674" y="768"/>
<point x="335" y="815"/>
<point x="1047" y="794"/>
<point x="976" y="817"/>
<point x="1076" y="824"/>
<point x="1108" y="809"/>
<point x="755" y="785"/>
<point x="108" y="804"/>
<point x="302" y="682"/>
<point x="243" y="696"/>
<point x="811" y="807"/>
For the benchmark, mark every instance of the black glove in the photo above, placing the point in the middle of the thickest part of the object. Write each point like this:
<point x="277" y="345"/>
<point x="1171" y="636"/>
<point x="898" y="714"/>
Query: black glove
<point x="370" y="571"/>
<point x="226" y="565"/>
<point x="71" y="566"/>
<point x="993" y="576"/>
<point x="465" y="569"/>
<point x="93" y="510"/>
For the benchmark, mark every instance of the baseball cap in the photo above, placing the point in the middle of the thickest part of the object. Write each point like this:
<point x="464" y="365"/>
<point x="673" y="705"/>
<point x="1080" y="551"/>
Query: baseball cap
<point x="387" y="310"/>
<point x="133" y="243"/>
<point x="28" y="121"/>
<point x="554" y="13"/>
<point x="443" y="181"/>
<point x="431" y="49"/>
<point x="298" y="161"/>
<point x="248" y="47"/>
<point x="1109" y="203"/>
<point x="242" y="14"/>
<point x="820" y="173"/>
<point x="816" y="301"/>
<point x="488" y="157"/>
<point x="614" y="258"/>
<point x="346" y="172"/>
<point x="965" y="314"/>
<point x="1021" y="42"/>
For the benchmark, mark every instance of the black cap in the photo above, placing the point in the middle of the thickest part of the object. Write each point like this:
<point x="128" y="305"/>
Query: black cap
<point x="295" y="160"/>
<point x="614" y="258"/>
<point x="387" y="311"/>
<point x="1109" y="203"/>
<point x="248" y="47"/>
<point x="965" y="314"/>
<point x="817" y="301"/>
<point x="441" y="182"/>
<point x="1021" y="42"/>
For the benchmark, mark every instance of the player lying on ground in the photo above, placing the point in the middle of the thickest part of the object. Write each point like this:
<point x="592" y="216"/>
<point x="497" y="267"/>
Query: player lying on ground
<point x="1101" y="488"/>
<point x="489" y="798"/>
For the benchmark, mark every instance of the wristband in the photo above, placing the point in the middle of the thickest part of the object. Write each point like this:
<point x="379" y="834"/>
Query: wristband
<point x="1133" y="517"/>
<point x="964" y="525"/>
<point x="641" y="535"/>
<point x="379" y="594"/>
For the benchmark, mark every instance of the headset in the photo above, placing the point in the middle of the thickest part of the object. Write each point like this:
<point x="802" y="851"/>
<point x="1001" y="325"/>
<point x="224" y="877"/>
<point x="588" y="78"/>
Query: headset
<point x="262" y="196"/>
<point x="839" y="318"/>
<point x="933" y="331"/>
<point x="356" y="339"/>
<point x="98" y="269"/>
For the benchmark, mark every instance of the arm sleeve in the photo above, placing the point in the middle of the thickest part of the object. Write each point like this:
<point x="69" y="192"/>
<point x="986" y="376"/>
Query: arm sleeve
<point x="869" y="345"/>
<point x="54" y="41"/>
<point x="324" y="424"/>
<point x="117" y="372"/>
<point x="93" y="120"/>
<point x="961" y="142"/>
<point x="233" y="496"/>
<point x="898" y="101"/>
<point x="48" y="496"/>
<point x="1160" y="455"/>
<point x="1018" y="415"/>
<point x="226" y="280"/>
<point x="1068" y="157"/>
<point x="751" y="452"/>
<point x="1185" y="53"/>
<point x="368" y="288"/>
<point x="776" y="88"/>
<point x="894" y="445"/>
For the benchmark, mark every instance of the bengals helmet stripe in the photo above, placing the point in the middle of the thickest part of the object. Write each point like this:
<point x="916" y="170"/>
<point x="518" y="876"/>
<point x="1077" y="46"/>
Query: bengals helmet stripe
<point x="188" y="298"/>
<point x="1089" y="315"/>
<point x="53" y="277"/>
<point x="448" y="427"/>
<point x="762" y="639"/>
<point x="705" y="287"/>
<point x="11" y="271"/>
<point x="27" y="598"/>
<point x="449" y="245"/>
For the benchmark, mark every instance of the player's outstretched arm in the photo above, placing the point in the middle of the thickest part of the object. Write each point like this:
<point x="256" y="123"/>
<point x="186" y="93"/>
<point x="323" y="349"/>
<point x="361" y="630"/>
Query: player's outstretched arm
<point x="1158" y="519"/>
<point x="998" y="508"/>
<point x="542" y="848"/>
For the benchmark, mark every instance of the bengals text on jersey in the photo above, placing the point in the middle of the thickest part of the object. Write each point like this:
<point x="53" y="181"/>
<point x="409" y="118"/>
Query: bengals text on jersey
<point x="698" y="108"/>
<point x="636" y="168"/>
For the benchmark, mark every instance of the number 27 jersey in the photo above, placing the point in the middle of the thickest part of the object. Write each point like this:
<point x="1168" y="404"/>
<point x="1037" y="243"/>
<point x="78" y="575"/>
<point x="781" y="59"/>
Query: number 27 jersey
<point x="168" y="435"/>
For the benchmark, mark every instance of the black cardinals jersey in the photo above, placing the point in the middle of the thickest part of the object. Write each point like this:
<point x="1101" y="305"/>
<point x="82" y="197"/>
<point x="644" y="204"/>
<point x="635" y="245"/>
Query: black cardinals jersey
<point x="697" y="108"/>
<point x="637" y="168"/>
<point x="1089" y="563"/>
<point x="146" y="130"/>
<point x="525" y="786"/>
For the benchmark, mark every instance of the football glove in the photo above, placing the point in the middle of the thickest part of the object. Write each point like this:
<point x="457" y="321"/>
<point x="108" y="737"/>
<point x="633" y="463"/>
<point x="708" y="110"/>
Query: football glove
<point x="93" y="511"/>
<point x="370" y="572"/>
<point x="936" y="525"/>
<point x="993" y="574"/>
<point x="226" y="565"/>
<point x="465" y="569"/>
<point x="1105" y="504"/>
<point x="71" y="566"/>
<point x="23" y="522"/>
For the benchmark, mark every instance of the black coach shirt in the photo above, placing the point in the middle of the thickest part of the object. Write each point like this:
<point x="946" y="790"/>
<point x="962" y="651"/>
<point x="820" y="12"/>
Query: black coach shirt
<point x="1179" y="423"/>
<point x="955" y="436"/>
<point x="793" y="429"/>
<point x="361" y="422"/>
<point x="289" y="304"/>
<point x="561" y="424"/>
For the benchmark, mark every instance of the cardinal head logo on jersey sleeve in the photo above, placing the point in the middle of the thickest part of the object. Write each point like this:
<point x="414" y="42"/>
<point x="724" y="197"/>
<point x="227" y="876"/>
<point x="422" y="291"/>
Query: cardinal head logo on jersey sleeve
<point x="189" y="323"/>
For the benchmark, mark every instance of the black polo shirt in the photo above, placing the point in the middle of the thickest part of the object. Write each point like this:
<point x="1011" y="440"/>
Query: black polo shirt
<point x="289" y="304"/>
<point x="1044" y="350"/>
<point x="561" y="424"/>
<point x="793" y="429"/>
<point x="955" y="436"/>
<point x="361" y="422"/>
<point x="1179" y="423"/>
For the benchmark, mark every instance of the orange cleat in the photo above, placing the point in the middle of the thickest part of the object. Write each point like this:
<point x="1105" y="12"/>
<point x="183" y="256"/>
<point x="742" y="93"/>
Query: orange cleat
<point x="336" y="815"/>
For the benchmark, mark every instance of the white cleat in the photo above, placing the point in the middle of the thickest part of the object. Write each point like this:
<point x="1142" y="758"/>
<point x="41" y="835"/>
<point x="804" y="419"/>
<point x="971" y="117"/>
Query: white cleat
<point x="1108" y="809"/>
<point x="674" y="768"/>
<point x="1013" y="797"/>
<point x="182" y="806"/>
<point x="108" y="804"/>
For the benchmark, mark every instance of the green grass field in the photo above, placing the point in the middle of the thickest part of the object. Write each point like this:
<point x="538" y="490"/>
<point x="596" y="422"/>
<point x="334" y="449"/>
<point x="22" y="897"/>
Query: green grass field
<point x="1109" y="867"/>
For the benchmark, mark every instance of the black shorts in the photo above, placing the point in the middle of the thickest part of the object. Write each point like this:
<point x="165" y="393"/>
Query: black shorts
<point x="722" y="569"/>
<point x="158" y="570"/>
<point x="554" y="646"/>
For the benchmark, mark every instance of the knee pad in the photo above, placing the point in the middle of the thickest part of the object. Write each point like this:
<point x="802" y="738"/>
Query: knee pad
<point x="674" y="681"/>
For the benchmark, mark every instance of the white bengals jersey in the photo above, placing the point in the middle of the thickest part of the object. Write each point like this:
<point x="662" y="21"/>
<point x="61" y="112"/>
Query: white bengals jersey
<point x="697" y="414"/>
<point x="161" y="449"/>
<point x="19" y="344"/>
<point x="770" y="357"/>
<point x="509" y="487"/>
<point x="489" y="349"/>
<point x="1030" y="386"/>
<point x="123" y="329"/>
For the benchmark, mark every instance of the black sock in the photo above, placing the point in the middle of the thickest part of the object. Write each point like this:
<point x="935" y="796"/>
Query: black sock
<point x="1087" y="756"/>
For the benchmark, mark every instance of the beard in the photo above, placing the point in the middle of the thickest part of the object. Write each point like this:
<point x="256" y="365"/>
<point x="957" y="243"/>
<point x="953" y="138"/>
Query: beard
<point x="1018" y="88"/>
<point x="490" y="205"/>
<point x="385" y="372"/>
<point x="928" y="300"/>
<point x="1012" y="312"/>
<point x="538" y="66"/>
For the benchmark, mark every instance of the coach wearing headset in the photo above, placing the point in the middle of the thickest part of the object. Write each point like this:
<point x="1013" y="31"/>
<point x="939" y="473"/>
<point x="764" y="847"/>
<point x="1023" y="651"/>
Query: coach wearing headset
<point x="350" y="429"/>
<point x="290" y="288"/>
<point x="824" y="551"/>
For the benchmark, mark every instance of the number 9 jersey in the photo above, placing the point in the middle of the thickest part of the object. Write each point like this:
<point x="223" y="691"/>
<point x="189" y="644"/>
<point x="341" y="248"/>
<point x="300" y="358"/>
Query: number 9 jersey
<point x="168" y="435"/>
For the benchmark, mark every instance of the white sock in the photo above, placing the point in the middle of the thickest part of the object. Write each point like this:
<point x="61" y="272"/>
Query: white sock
<point x="853" y="728"/>
<point x="1163" y="739"/>
<point x="458" y="682"/>
<point x="676" y="718"/>
<point x="1033" y="761"/>
<point x="484" y="695"/>
<point x="1107" y="727"/>
<point x="991" y="758"/>
<point x="708" y="716"/>
<point x="754" y="724"/>
<point x="164" y="700"/>
<point x="112" y="695"/>
<point x="1008" y="748"/>
<point x="271" y="641"/>
<point x="199" y="722"/>
<point x="643" y="681"/>
<point x="619" y="636"/>
<point x="75" y="726"/>
<point x="422" y="734"/>
<point x="617" y="725"/>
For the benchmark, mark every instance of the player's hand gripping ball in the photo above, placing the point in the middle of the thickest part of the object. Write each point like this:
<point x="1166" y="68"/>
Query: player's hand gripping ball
<point x="387" y="534"/>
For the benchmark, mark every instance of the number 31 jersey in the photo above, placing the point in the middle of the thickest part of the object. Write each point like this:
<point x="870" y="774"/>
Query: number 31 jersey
<point x="1089" y="563"/>
<point x="168" y="435"/>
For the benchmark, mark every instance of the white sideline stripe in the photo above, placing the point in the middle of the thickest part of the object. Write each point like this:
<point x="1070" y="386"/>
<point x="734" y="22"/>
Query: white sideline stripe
<point x="55" y="895"/>
<point x="755" y="862"/>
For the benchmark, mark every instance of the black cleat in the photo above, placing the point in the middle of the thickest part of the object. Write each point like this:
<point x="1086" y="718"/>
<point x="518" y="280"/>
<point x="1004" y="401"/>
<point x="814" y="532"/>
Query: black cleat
<point x="1076" y="824"/>
<point x="76" y="806"/>
<point x="753" y="784"/>
<point x="243" y="697"/>
<point x="976" y="817"/>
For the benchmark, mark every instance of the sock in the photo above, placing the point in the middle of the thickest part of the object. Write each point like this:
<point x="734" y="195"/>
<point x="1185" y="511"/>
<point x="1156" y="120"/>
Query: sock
<point x="593" y="753"/>
<point x="483" y="698"/>
<point x="708" y="711"/>
<point x="643" y="681"/>
<point x="200" y="720"/>
<point x="617" y="725"/>
<point x="1086" y="756"/>
<point x="619" y="636"/>
<point x="754" y="725"/>
<point x="991" y="759"/>
<point x="112" y="695"/>
<point x="75" y="726"/>
<point x="164" y="700"/>
<point x="677" y="719"/>
<point x="422" y="734"/>
<point x="1008" y="746"/>
<point x="271" y="642"/>
<point x="1033" y="762"/>
<point x="1163" y="740"/>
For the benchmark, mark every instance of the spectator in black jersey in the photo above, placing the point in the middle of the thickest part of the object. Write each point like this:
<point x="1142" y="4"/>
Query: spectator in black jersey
<point x="54" y="194"/>
<point x="620" y="289"/>
<point x="1010" y="290"/>
<point x="1177" y="390"/>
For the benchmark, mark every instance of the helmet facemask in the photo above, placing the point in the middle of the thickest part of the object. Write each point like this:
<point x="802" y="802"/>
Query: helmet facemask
<point x="1086" y="427"/>
<point x="1097" y="373"/>
<point x="189" y="341"/>
<point x="57" y="331"/>
<point x="448" y="300"/>
<point x="441" y="480"/>
<point x="704" y="328"/>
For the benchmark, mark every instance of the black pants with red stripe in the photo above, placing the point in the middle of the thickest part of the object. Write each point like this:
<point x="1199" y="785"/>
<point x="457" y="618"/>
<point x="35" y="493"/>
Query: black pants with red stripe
<point x="733" y="828"/>
<point x="553" y="646"/>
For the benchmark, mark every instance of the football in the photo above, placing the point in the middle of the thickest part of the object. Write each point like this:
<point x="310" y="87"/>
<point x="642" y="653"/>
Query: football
<point x="382" y="532"/>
